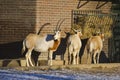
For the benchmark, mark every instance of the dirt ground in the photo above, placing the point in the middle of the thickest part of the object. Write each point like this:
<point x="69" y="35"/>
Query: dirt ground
<point x="111" y="68"/>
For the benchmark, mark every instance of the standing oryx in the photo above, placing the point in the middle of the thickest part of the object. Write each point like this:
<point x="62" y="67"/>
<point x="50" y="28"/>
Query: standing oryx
<point x="94" y="47"/>
<point x="74" y="45"/>
<point x="48" y="43"/>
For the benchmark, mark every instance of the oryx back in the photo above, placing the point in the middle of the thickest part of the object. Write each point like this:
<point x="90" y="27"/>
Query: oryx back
<point x="94" y="47"/>
<point x="43" y="44"/>
<point x="95" y="43"/>
<point x="74" y="42"/>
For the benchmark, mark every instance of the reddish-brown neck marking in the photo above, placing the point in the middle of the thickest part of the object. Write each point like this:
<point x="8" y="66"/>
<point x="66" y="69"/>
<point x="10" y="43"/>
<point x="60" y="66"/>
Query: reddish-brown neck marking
<point x="55" y="45"/>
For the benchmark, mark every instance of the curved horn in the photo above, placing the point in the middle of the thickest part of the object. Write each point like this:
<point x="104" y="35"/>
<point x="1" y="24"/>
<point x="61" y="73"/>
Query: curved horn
<point x="57" y="25"/>
<point x="61" y="23"/>
<point x="42" y="27"/>
<point x="74" y="30"/>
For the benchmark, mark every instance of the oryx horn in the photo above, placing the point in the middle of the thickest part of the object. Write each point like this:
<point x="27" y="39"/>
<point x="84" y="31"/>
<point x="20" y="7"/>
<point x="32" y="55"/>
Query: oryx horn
<point x="61" y="23"/>
<point x="57" y="25"/>
<point x="74" y="30"/>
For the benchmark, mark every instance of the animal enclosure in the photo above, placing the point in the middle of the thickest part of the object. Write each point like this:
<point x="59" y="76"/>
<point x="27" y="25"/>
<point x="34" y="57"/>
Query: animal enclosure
<point x="93" y="22"/>
<point x="18" y="18"/>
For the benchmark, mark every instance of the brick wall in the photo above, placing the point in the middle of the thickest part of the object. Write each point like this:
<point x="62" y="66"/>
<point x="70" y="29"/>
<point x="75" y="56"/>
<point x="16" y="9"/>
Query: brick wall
<point x="20" y="17"/>
<point x="17" y="19"/>
<point x="51" y="11"/>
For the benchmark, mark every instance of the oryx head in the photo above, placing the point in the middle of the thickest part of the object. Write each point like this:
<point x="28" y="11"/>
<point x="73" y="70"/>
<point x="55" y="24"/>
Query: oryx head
<point x="102" y="36"/>
<point x="57" y="32"/>
<point x="101" y="33"/>
<point x="78" y="32"/>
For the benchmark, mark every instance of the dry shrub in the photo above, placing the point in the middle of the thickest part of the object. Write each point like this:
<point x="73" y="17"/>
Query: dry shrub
<point x="91" y="25"/>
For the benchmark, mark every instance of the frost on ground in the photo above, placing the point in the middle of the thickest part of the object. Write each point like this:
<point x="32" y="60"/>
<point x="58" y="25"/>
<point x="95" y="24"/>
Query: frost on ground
<point x="62" y="74"/>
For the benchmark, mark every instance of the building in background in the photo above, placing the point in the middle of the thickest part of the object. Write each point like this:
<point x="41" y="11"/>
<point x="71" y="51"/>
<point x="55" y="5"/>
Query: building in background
<point x="20" y="17"/>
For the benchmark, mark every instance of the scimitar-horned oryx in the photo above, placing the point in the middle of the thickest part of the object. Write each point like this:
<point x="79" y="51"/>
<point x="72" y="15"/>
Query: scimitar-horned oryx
<point x="74" y="45"/>
<point x="94" y="47"/>
<point x="48" y="43"/>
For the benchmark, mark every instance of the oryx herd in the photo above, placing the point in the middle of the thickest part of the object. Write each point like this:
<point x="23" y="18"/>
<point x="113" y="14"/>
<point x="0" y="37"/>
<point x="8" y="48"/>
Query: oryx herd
<point x="49" y="43"/>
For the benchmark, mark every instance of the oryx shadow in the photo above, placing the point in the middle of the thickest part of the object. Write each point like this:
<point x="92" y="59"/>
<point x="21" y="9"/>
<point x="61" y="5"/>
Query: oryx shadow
<point x="11" y="50"/>
<point x="62" y="47"/>
<point x="81" y="53"/>
<point x="103" y="58"/>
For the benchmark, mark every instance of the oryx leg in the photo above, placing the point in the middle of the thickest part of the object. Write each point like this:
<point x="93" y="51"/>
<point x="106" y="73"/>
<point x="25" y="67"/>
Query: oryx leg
<point x="50" y="57"/>
<point x="70" y="55"/>
<point x="29" y="57"/>
<point x="74" y="57"/>
<point x="94" y="57"/>
<point x="98" y="56"/>
<point x="91" y="57"/>
<point x="77" y="61"/>
<point x="70" y="58"/>
<point x="27" y="62"/>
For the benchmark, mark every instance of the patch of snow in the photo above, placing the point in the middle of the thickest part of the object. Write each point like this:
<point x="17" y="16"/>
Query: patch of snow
<point x="11" y="74"/>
